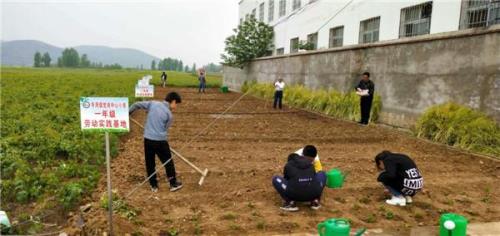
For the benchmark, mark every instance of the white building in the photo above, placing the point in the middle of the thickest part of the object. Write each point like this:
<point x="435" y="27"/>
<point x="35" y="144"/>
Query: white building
<point x="335" y="23"/>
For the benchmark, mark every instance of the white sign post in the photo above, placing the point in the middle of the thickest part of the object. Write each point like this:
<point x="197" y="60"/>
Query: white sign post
<point x="105" y="114"/>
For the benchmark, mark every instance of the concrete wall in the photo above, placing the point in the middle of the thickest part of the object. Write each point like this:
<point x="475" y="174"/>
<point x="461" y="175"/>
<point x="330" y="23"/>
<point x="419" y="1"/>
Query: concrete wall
<point x="410" y="74"/>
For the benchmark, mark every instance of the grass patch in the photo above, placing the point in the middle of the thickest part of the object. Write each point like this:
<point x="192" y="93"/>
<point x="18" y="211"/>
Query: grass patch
<point x="229" y="216"/>
<point x="119" y="206"/>
<point x="332" y="103"/>
<point x="460" y="126"/>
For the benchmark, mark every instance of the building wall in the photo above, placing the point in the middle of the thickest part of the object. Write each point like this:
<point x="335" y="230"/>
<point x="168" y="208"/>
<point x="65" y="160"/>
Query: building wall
<point x="321" y="15"/>
<point x="410" y="74"/>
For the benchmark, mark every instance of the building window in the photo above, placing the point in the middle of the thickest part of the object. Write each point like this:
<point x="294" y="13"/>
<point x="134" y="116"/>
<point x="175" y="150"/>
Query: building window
<point x="336" y="37"/>
<point x="313" y="39"/>
<point x="261" y="12"/>
<point x="254" y="12"/>
<point x="415" y="20"/>
<point x="270" y="14"/>
<point x="294" y="45"/>
<point x="296" y="4"/>
<point x="282" y="8"/>
<point x="311" y="1"/>
<point x="280" y="51"/>
<point x="479" y="13"/>
<point x="369" y="30"/>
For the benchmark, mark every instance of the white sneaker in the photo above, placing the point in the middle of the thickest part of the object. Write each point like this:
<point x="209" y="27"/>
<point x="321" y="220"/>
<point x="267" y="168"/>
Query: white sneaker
<point x="408" y="199"/>
<point x="396" y="201"/>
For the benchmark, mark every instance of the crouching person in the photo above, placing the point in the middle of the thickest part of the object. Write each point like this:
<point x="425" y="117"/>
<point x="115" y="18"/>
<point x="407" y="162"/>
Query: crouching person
<point x="400" y="176"/>
<point x="300" y="183"/>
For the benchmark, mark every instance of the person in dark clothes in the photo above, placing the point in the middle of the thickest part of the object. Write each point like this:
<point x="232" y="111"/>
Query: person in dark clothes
<point x="203" y="82"/>
<point x="278" y="93"/>
<point x="400" y="176"/>
<point x="300" y="183"/>
<point x="159" y="119"/>
<point x="164" y="77"/>
<point x="366" y="90"/>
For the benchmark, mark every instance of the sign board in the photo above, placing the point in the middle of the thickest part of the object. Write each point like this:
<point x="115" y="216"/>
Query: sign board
<point x="144" y="91"/>
<point x="106" y="114"/>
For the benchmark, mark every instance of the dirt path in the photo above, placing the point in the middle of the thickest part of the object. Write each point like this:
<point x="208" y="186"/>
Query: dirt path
<point x="246" y="147"/>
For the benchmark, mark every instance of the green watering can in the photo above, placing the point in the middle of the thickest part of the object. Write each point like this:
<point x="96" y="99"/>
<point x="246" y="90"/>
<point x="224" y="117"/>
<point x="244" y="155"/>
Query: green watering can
<point x="334" y="227"/>
<point x="452" y="225"/>
<point x="335" y="178"/>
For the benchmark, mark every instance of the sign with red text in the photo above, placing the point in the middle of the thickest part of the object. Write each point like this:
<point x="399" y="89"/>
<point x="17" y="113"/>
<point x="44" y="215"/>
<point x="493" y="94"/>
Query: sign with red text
<point x="106" y="114"/>
<point x="144" y="91"/>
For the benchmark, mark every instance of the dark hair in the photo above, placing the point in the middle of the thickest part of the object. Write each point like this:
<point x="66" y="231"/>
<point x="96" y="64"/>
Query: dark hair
<point x="367" y="74"/>
<point x="381" y="157"/>
<point x="293" y="156"/>
<point x="173" y="96"/>
<point x="310" y="151"/>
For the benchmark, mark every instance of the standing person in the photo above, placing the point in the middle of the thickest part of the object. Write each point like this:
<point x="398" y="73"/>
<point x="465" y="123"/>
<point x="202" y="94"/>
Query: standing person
<point x="300" y="183"/>
<point x="203" y="82"/>
<point x="366" y="90"/>
<point x="278" y="93"/>
<point x="164" y="79"/>
<point x="400" y="176"/>
<point x="159" y="119"/>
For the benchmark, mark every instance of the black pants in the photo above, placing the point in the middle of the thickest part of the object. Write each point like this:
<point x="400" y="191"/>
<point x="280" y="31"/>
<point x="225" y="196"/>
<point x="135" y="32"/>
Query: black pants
<point x="162" y="149"/>
<point x="366" y="106"/>
<point x="278" y="96"/>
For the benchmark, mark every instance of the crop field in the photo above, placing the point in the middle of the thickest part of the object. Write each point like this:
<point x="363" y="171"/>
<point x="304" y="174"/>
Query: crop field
<point x="48" y="164"/>
<point x="45" y="155"/>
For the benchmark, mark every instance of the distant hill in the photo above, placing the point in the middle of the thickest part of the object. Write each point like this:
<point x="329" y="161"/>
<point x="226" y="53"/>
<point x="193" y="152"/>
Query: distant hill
<point x="20" y="53"/>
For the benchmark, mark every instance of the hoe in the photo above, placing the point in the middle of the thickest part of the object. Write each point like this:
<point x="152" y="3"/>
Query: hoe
<point x="203" y="173"/>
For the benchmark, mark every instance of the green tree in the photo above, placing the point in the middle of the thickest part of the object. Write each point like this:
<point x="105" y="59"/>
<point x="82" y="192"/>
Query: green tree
<point x="193" y="69"/>
<point x="70" y="58"/>
<point x="180" y="66"/>
<point x="252" y="39"/>
<point x="37" y="60"/>
<point x="186" y="68"/>
<point x="84" y="61"/>
<point x="46" y="59"/>
<point x="153" y="65"/>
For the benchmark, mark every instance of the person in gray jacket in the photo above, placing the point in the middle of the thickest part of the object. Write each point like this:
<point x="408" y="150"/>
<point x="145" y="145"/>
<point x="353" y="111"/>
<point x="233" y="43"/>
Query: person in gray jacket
<point x="159" y="119"/>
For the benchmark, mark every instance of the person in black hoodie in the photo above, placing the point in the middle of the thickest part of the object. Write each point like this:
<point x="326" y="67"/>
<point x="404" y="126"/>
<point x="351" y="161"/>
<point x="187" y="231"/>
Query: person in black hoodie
<point x="366" y="99"/>
<point x="400" y="176"/>
<point x="300" y="183"/>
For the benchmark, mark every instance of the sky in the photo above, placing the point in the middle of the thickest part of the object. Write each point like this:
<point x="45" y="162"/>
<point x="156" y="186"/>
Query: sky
<point x="191" y="30"/>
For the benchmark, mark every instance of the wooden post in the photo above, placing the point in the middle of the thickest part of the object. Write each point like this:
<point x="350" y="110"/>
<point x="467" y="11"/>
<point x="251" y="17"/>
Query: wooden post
<point x="110" y="194"/>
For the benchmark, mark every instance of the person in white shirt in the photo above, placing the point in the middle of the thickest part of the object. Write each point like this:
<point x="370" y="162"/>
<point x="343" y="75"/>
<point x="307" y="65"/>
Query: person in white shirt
<point x="278" y="93"/>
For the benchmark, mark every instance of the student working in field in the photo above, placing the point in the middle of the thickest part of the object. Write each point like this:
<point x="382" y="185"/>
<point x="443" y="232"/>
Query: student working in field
<point x="400" y="176"/>
<point x="159" y="119"/>
<point x="164" y="77"/>
<point x="203" y="82"/>
<point x="300" y="181"/>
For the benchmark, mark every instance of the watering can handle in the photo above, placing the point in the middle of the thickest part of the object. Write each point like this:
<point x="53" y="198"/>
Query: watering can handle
<point x="321" y="226"/>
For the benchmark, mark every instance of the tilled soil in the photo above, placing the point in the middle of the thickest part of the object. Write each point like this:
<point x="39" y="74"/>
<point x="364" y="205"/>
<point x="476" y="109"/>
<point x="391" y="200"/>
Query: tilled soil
<point x="249" y="144"/>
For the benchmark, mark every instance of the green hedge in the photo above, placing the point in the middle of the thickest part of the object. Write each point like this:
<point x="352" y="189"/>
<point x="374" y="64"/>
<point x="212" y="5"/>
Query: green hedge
<point x="332" y="103"/>
<point x="461" y="127"/>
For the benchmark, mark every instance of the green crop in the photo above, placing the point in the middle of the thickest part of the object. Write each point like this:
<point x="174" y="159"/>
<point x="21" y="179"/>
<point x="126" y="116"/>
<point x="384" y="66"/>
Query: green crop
<point x="460" y="126"/>
<point x="333" y="103"/>
<point x="44" y="153"/>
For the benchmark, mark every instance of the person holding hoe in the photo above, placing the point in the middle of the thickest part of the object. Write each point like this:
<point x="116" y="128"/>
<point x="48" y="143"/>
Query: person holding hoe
<point x="159" y="119"/>
<point x="300" y="181"/>
<point x="400" y="176"/>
